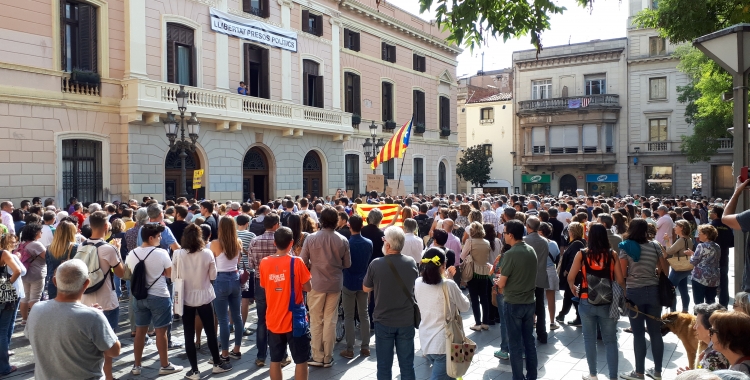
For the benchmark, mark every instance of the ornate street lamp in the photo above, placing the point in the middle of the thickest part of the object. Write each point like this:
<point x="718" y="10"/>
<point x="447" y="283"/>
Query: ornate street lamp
<point x="372" y="149"/>
<point x="183" y="145"/>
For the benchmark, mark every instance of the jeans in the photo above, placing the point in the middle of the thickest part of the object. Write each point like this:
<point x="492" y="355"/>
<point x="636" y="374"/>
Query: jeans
<point x="403" y="339"/>
<point x="567" y="303"/>
<point x="480" y="297"/>
<point x="702" y="293"/>
<point x="206" y="314"/>
<point x="118" y="286"/>
<point x="591" y="316"/>
<point x="503" y="323"/>
<point x="541" y="319"/>
<point x="439" y="370"/>
<point x="7" y="320"/>
<point x="679" y="280"/>
<point x="13" y="321"/>
<point x="261" y="334"/>
<point x="113" y="317"/>
<point x="520" y="318"/>
<point x="349" y="298"/>
<point x="227" y="289"/>
<point x="647" y="300"/>
<point x="724" y="286"/>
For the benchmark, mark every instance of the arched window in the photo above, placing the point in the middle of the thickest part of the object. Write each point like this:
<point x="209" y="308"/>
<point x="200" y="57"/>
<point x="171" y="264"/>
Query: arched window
<point x="82" y="170"/>
<point x="441" y="178"/>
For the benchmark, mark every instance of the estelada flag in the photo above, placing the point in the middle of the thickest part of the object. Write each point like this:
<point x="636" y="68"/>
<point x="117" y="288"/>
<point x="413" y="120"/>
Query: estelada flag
<point x="396" y="146"/>
<point x="389" y="212"/>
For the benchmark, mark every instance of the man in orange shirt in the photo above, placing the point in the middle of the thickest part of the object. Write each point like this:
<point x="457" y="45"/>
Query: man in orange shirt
<point x="276" y="279"/>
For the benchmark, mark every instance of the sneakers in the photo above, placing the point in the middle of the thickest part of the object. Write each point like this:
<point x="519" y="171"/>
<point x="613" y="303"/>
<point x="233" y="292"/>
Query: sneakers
<point x="630" y="376"/>
<point x="222" y="358"/>
<point x="235" y="355"/>
<point x="193" y="375"/>
<point x="260" y="363"/>
<point x="500" y="354"/>
<point x="285" y="362"/>
<point x="330" y="364"/>
<point x="364" y="352"/>
<point x="136" y="370"/>
<point x="554" y="326"/>
<point x="560" y="319"/>
<point x="575" y="323"/>
<point x="485" y="327"/>
<point x="313" y="363"/>
<point x="476" y="327"/>
<point x="349" y="354"/>
<point x="653" y="374"/>
<point x="223" y="367"/>
<point x="175" y="345"/>
<point x="247" y="332"/>
<point x="588" y="377"/>
<point x="170" y="368"/>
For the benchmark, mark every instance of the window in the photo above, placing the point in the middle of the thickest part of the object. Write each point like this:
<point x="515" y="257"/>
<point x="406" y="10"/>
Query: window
<point x="259" y="8"/>
<point x="312" y="23"/>
<point x="657" y="130"/>
<point x="658" y="180"/>
<point x="351" y="40"/>
<point x="79" y="39"/>
<point x="595" y="85"/>
<point x="389" y="52"/>
<point x="538" y="143"/>
<point x="563" y="139"/>
<point x="590" y="138"/>
<point x="445" y="113"/>
<point x="352" y="102"/>
<point x="487" y="148"/>
<point x="256" y="71"/>
<point x="541" y="89"/>
<point x="389" y="171"/>
<point x="441" y="178"/>
<point x="387" y="99"/>
<point x="655" y="4"/>
<point x="420" y="63"/>
<point x="312" y="83"/>
<point x="418" y="176"/>
<point x="657" y="88"/>
<point x="609" y="137"/>
<point x="418" y="107"/>
<point x="657" y="46"/>
<point x="82" y="170"/>
<point x="487" y="115"/>
<point x="180" y="65"/>
<point x="352" y="174"/>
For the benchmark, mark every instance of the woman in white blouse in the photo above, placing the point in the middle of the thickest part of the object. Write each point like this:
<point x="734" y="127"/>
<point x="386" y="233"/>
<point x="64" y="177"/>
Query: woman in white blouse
<point x="428" y="290"/>
<point x="195" y="265"/>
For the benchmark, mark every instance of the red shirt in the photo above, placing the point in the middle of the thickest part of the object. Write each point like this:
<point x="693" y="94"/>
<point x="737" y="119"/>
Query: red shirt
<point x="80" y="218"/>
<point x="275" y="278"/>
<point x="233" y="213"/>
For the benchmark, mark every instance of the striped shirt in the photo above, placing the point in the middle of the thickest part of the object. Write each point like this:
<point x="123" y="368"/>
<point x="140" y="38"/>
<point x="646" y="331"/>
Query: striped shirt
<point x="260" y="248"/>
<point x="246" y="237"/>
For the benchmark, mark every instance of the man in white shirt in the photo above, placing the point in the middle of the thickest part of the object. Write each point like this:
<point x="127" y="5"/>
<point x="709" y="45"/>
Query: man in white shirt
<point x="664" y="224"/>
<point x="432" y="213"/>
<point x="413" y="245"/>
<point x="563" y="215"/>
<point x="6" y="208"/>
<point x="48" y="219"/>
<point x="303" y="204"/>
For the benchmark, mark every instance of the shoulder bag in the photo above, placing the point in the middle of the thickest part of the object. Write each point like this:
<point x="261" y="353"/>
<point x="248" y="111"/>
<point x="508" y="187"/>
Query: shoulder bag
<point x="178" y="285"/>
<point x="667" y="294"/>
<point x="300" y="323"/>
<point x="8" y="294"/>
<point x="417" y="314"/>
<point x="680" y="262"/>
<point x="467" y="266"/>
<point x="458" y="348"/>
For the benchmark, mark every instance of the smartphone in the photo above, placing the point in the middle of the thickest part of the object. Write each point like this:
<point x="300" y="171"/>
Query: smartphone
<point x="743" y="174"/>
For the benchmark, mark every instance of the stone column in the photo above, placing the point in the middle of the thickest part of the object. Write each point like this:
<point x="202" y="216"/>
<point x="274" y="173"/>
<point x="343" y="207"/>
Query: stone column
<point x="580" y="138"/>
<point x="135" y="39"/>
<point x="286" y="55"/>
<point x="600" y="138"/>
<point x="222" y="54"/>
<point x="546" y="141"/>
<point x="335" y="63"/>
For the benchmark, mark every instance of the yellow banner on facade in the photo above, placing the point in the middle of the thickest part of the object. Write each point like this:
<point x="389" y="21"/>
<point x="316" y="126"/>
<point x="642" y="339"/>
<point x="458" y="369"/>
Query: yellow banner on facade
<point x="197" y="178"/>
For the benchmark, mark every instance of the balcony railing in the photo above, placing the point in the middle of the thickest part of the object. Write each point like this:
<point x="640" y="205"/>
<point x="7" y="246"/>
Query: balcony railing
<point x="71" y="87"/>
<point x="659" y="146"/>
<point x="574" y="102"/>
<point x="726" y="143"/>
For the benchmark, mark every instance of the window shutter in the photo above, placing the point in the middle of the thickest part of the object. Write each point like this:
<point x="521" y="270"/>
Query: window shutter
<point x="246" y="6"/>
<point x="63" y="51"/>
<point x="392" y="53"/>
<point x="384" y="101"/>
<point x="305" y="20"/>
<point x="193" y="64"/>
<point x="356" y="101"/>
<point x="87" y="37"/>
<point x="415" y="62"/>
<point x="246" y="59"/>
<point x="305" y="89"/>
<point x="384" y="47"/>
<point x="319" y="92"/>
<point x="356" y="41"/>
<point x="424" y="64"/>
<point x="171" y="51"/>
<point x="319" y="25"/>
<point x="265" y="9"/>
<point x="265" y="84"/>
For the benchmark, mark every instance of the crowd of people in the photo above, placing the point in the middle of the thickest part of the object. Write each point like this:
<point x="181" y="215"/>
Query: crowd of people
<point x="298" y="258"/>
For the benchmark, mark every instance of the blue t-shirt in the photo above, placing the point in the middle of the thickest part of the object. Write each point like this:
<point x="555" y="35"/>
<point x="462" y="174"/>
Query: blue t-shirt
<point x="241" y="91"/>
<point x="554" y="250"/>
<point x="167" y="238"/>
<point x="360" y="249"/>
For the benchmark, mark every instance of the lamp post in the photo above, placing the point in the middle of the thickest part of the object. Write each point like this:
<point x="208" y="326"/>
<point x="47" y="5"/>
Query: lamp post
<point x="182" y="144"/>
<point x="728" y="48"/>
<point x="372" y="148"/>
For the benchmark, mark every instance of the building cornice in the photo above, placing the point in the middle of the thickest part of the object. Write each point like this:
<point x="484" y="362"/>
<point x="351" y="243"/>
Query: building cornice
<point x="612" y="55"/>
<point x="437" y="79"/>
<point x="357" y="7"/>
<point x="662" y="58"/>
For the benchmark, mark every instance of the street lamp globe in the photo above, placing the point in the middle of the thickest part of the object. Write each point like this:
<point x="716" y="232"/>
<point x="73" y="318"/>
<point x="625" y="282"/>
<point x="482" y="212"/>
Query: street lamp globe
<point x="181" y="98"/>
<point x="373" y="129"/>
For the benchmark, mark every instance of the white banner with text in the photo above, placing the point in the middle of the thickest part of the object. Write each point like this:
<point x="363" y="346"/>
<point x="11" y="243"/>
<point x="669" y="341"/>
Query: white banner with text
<point x="253" y="30"/>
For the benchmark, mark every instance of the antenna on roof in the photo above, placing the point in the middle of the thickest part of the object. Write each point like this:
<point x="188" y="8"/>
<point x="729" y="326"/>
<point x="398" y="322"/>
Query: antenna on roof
<point x="569" y="39"/>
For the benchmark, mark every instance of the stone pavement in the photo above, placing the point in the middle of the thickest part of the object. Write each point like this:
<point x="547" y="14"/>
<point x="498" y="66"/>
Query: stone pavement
<point x="562" y="358"/>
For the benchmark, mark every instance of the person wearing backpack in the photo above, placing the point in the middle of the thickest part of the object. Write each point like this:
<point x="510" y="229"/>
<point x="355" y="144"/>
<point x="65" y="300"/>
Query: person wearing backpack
<point x="32" y="254"/>
<point x="148" y="265"/>
<point x="600" y="267"/>
<point x="102" y="260"/>
<point x="62" y="249"/>
<point x="256" y="224"/>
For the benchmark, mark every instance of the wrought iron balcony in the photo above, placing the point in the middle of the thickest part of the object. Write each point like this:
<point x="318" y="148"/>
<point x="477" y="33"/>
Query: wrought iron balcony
<point x="570" y="103"/>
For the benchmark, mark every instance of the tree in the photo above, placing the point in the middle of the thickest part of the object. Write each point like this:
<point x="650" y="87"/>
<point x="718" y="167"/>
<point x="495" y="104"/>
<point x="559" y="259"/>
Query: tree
<point x="474" y="166"/>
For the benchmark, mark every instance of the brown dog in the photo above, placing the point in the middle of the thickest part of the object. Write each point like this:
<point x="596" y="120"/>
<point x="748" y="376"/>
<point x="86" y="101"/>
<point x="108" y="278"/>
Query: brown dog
<point x="681" y="324"/>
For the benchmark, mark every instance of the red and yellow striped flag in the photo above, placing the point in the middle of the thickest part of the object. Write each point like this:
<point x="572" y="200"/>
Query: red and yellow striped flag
<point x="395" y="147"/>
<point x="389" y="212"/>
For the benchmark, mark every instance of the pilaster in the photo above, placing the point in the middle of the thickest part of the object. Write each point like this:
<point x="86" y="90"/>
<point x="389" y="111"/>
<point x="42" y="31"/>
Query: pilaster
<point x="135" y="39"/>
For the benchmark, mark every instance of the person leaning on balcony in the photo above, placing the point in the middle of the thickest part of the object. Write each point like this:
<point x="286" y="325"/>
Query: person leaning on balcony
<point x="242" y="90"/>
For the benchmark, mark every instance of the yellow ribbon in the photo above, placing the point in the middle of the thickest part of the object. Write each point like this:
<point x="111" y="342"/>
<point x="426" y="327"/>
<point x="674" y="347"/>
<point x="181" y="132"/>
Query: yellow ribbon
<point x="435" y="260"/>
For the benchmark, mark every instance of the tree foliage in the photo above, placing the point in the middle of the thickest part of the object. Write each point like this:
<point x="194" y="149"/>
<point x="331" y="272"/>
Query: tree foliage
<point x="474" y="166"/>
<point x="684" y="20"/>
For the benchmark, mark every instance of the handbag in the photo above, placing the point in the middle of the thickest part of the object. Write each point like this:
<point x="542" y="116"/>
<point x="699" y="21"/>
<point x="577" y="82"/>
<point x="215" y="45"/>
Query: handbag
<point x="467" y="266"/>
<point x="667" y="294"/>
<point x="300" y="323"/>
<point x="458" y="348"/>
<point x="680" y="264"/>
<point x="244" y="276"/>
<point x="178" y="287"/>
<point x="417" y="314"/>
<point x="8" y="294"/>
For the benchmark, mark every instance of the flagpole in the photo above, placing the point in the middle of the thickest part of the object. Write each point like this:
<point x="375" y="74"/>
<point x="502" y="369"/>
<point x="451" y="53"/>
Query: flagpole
<point x="403" y="159"/>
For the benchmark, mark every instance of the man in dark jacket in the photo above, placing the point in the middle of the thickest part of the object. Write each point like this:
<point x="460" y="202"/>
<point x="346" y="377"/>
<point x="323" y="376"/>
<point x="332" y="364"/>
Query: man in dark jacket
<point x="557" y="228"/>
<point x="725" y="240"/>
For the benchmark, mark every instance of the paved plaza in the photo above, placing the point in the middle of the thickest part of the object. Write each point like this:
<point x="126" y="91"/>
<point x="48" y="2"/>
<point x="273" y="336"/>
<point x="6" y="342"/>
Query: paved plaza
<point x="562" y="358"/>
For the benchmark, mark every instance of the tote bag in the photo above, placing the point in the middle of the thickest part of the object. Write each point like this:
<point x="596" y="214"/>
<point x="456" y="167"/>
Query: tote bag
<point x="458" y="348"/>
<point x="178" y="284"/>
<point x="680" y="262"/>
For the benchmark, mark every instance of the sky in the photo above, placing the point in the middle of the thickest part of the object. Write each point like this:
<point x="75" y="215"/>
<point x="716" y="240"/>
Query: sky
<point x="576" y="24"/>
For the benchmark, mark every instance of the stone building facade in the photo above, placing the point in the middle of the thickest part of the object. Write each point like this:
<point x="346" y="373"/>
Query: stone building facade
<point x="489" y="124"/>
<point x="81" y="113"/>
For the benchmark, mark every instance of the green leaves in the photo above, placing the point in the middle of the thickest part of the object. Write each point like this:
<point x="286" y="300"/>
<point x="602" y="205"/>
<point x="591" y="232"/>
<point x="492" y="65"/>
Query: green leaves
<point x="474" y="166"/>
<point x="684" y="20"/>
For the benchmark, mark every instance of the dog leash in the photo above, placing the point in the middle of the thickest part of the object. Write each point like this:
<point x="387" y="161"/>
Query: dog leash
<point x="635" y="309"/>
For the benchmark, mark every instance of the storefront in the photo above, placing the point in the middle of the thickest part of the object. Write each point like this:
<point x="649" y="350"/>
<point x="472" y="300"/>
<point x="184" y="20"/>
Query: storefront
<point x="497" y="186"/>
<point x="602" y="184"/>
<point x="658" y="180"/>
<point x="538" y="184"/>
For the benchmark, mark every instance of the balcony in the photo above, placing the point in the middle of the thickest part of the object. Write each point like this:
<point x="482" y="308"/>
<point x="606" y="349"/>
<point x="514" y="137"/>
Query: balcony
<point x="225" y="108"/>
<point x="658" y="146"/>
<point x="570" y="103"/>
<point x="726" y="143"/>
<point x="573" y="158"/>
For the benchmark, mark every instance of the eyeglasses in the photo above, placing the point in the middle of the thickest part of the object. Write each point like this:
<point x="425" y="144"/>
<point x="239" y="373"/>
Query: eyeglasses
<point x="712" y="331"/>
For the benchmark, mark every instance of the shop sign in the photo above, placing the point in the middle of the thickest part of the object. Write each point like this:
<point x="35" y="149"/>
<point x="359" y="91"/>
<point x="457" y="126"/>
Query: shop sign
<point x="602" y="178"/>
<point x="535" y="178"/>
<point x="253" y="30"/>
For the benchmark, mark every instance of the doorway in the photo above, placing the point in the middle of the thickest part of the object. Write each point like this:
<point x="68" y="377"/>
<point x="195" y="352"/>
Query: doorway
<point x="255" y="175"/>
<point x="312" y="175"/>
<point x="568" y="184"/>
<point x="172" y="175"/>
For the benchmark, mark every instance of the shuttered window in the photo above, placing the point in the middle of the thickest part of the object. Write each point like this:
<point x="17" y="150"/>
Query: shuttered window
<point x="351" y="40"/>
<point x="312" y="23"/>
<point x="79" y="38"/>
<point x="312" y="83"/>
<point x="538" y="143"/>
<point x="352" y="100"/>
<point x="388" y="52"/>
<point x="418" y="110"/>
<point x="387" y="98"/>
<point x="590" y="138"/>
<point x="259" y="8"/>
<point x="256" y="71"/>
<point x="445" y="113"/>
<point x="180" y="55"/>
<point x="420" y="63"/>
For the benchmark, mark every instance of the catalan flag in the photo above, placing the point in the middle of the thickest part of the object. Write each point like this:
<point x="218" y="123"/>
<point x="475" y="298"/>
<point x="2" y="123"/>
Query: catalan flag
<point x="389" y="212"/>
<point x="395" y="147"/>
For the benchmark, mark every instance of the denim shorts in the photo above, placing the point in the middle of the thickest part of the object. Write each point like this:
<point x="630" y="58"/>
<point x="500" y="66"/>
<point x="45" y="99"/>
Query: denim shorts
<point x="153" y="308"/>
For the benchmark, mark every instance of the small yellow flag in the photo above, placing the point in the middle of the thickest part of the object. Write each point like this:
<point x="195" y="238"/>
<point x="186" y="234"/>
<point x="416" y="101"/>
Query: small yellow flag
<point x="197" y="178"/>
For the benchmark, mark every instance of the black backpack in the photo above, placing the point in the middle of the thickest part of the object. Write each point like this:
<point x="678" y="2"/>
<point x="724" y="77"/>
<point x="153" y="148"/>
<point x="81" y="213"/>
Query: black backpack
<point x="284" y="219"/>
<point x="138" y="283"/>
<point x="256" y="227"/>
<point x="424" y="225"/>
